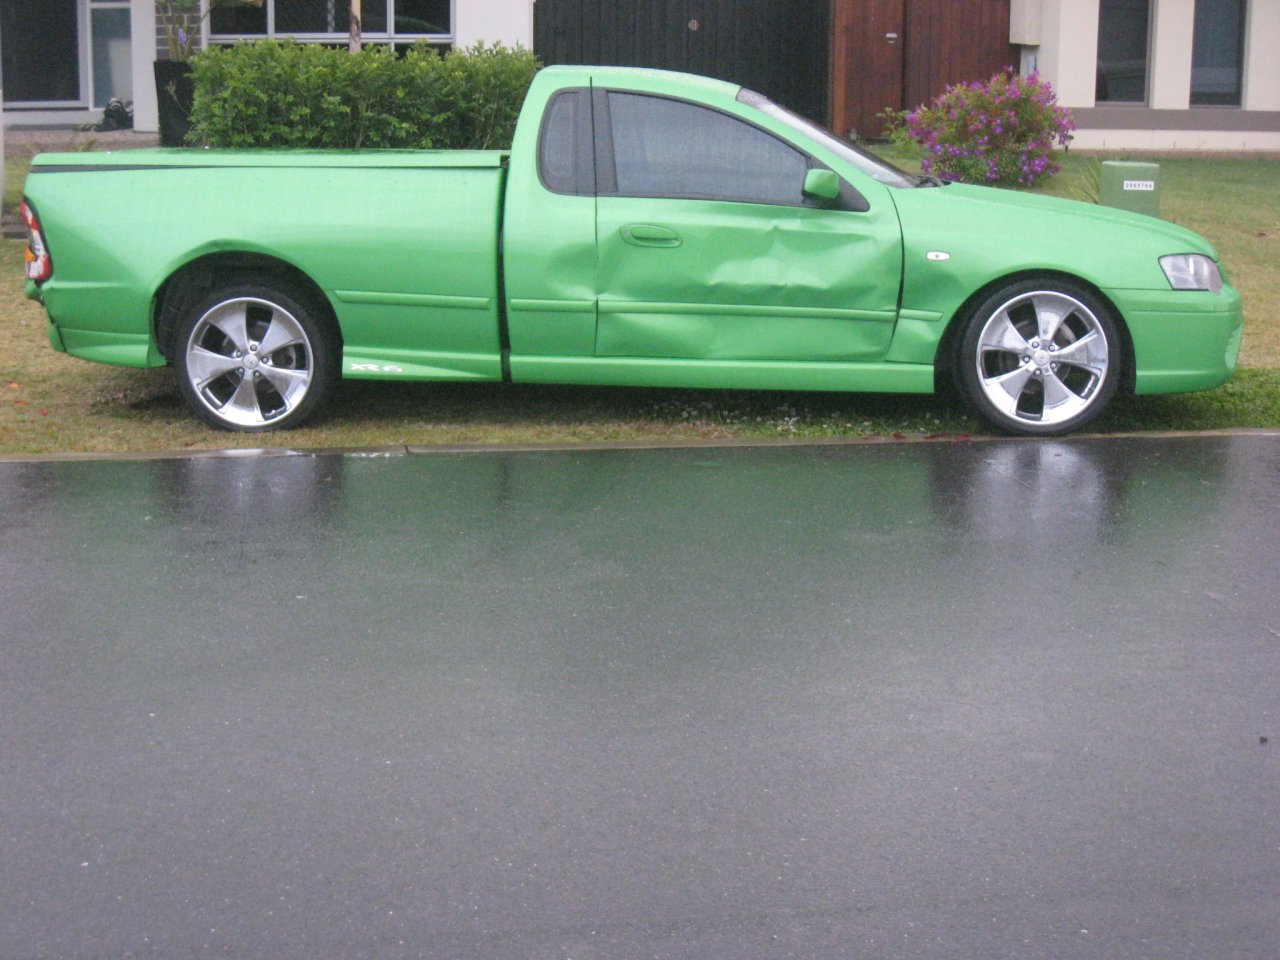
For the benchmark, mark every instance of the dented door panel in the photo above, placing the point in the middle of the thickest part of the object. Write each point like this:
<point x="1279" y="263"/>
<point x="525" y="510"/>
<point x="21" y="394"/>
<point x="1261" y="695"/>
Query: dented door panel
<point x="721" y="280"/>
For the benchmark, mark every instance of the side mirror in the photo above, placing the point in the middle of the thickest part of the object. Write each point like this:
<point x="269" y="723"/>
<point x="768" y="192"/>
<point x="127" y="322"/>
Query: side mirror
<point x="821" y="185"/>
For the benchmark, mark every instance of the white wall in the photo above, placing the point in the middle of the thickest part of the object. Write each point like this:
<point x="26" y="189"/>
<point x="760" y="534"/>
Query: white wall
<point x="1227" y="141"/>
<point x="1068" y="52"/>
<point x="1067" y="31"/>
<point x="1261" y="63"/>
<point x="1169" y="69"/>
<point x="508" y="21"/>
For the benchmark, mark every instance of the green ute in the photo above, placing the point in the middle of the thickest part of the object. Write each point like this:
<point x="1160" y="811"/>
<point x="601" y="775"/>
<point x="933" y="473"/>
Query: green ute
<point x="646" y="228"/>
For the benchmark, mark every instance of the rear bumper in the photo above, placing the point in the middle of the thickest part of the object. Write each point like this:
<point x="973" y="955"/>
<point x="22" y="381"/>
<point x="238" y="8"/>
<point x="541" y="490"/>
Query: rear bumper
<point x="1182" y="340"/>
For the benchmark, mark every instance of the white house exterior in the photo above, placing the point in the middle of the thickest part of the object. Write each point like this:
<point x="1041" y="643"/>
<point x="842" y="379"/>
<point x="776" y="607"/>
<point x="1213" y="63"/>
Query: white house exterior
<point x="64" y="59"/>
<point x="1159" y="74"/>
<point x="1138" y="74"/>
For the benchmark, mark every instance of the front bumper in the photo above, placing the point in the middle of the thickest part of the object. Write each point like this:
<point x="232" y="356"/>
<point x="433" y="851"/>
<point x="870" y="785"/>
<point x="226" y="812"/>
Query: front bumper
<point x="1183" y="340"/>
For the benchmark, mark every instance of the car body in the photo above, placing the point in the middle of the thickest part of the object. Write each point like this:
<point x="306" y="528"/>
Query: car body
<point x="646" y="228"/>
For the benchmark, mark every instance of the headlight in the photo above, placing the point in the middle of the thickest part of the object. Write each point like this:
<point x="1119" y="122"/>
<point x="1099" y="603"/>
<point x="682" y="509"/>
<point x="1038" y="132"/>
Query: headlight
<point x="1191" y="271"/>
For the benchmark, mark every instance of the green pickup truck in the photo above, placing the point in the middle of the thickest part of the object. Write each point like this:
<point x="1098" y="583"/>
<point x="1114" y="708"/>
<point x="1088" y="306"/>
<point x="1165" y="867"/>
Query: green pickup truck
<point x="646" y="228"/>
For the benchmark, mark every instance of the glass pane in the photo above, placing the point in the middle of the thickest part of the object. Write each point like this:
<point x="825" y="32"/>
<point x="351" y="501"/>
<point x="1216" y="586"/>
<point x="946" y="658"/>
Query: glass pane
<point x="1217" y="52"/>
<point x="422" y="16"/>
<point x="1123" y="26"/>
<point x="41" y="58"/>
<point x="238" y="21"/>
<point x="555" y="147"/>
<point x="328" y="16"/>
<point x="112" y="70"/>
<point x="666" y="148"/>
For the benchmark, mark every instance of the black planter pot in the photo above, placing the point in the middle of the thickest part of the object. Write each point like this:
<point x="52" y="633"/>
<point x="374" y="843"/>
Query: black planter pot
<point x="174" y="92"/>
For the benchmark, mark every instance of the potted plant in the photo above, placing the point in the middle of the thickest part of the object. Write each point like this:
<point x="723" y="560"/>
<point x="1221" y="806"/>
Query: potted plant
<point x="182" y="22"/>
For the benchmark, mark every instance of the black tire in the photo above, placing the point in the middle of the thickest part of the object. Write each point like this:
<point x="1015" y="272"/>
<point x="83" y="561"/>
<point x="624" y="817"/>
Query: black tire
<point x="1039" y="357"/>
<point x="256" y="354"/>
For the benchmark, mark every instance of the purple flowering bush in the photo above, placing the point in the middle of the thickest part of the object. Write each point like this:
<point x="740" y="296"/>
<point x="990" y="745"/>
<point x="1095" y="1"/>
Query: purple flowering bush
<point x="1001" y="131"/>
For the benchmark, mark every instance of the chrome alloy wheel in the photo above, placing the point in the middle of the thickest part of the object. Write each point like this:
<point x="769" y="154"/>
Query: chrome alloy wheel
<point x="249" y="361"/>
<point x="1042" y="358"/>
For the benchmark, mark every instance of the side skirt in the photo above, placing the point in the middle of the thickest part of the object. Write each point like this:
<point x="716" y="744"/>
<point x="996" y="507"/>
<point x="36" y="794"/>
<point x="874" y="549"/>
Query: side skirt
<point x="725" y="374"/>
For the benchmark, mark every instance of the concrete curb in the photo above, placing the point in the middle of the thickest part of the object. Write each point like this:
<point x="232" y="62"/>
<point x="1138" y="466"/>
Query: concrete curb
<point x="401" y="450"/>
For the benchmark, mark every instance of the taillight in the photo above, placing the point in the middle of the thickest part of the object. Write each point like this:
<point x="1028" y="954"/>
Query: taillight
<point x="39" y="263"/>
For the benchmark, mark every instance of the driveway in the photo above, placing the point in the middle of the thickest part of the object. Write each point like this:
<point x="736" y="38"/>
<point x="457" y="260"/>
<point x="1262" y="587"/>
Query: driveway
<point x="994" y="700"/>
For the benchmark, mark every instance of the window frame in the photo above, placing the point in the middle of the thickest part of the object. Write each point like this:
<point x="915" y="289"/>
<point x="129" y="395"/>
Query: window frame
<point x="1147" y="62"/>
<point x="1203" y="98"/>
<point x="389" y="36"/>
<point x="584" y="171"/>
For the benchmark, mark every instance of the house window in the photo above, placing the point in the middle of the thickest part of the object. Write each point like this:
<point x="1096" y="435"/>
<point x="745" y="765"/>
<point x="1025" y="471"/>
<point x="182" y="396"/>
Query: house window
<point x="329" y="20"/>
<point x="1123" y="30"/>
<point x="1217" y="53"/>
<point x="41" y="60"/>
<point x="111" y="45"/>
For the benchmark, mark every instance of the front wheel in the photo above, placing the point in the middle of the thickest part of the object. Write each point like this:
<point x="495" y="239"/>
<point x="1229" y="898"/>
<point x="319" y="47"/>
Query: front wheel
<point x="254" y="356"/>
<point x="1040" y="358"/>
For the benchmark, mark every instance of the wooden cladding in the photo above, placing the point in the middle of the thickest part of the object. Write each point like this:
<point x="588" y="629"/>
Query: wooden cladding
<point x="896" y="54"/>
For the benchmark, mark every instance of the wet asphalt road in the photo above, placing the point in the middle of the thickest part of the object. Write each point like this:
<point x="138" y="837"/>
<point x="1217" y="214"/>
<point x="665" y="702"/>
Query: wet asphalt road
<point x="996" y="700"/>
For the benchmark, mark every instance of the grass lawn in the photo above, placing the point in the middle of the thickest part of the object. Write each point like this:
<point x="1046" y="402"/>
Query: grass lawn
<point x="52" y="403"/>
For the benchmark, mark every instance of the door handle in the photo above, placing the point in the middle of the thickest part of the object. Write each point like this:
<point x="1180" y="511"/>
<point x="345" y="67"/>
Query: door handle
<point x="648" y="235"/>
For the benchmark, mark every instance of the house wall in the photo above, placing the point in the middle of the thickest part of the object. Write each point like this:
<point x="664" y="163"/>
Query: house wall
<point x="508" y="21"/>
<point x="1060" y="39"/>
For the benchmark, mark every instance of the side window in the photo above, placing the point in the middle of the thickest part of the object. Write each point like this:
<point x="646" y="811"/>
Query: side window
<point x="564" y="144"/>
<point x="670" y="148"/>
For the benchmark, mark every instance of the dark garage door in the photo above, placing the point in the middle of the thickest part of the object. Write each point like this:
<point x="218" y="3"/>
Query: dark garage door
<point x="778" y="49"/>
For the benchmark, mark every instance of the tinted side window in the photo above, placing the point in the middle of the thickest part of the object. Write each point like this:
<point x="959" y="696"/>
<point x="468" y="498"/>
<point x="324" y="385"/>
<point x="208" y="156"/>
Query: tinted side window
<point x="564" y="144"/>
<point x="669" y="148"/>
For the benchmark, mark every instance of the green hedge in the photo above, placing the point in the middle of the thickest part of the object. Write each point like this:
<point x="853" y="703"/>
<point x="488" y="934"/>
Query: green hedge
<point x="287" y="94"/>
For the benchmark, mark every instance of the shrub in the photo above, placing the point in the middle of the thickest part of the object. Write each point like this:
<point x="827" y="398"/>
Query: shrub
<point x="897" y="130"/>
<point x="1002" y="131"/>
<point x="287" y="94"/>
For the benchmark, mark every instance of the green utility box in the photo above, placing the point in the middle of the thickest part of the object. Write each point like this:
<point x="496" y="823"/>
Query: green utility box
<point x="1131" y="186"/>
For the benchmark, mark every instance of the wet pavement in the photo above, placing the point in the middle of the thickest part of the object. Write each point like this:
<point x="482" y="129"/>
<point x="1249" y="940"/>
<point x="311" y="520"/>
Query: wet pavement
<point x="1005" y="699"/>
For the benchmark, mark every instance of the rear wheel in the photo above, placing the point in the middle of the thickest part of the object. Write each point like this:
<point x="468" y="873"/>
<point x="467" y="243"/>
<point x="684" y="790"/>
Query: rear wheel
<point x="1040" y="358"/>
<point x="255" y="355"/>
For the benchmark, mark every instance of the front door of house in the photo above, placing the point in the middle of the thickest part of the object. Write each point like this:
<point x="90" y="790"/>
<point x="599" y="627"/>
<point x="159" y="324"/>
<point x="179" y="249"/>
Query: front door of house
<point x="868" y="49"/>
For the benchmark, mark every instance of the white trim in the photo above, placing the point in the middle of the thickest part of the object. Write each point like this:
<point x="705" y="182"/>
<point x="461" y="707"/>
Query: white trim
<point x="1261" y="65"/>
<point x="1176" y="140"/>
<point x="1068" y="54"/>
<point x="1169" y="63"/>
<point x="142" y="23"/>
<point x="83" y="26"/>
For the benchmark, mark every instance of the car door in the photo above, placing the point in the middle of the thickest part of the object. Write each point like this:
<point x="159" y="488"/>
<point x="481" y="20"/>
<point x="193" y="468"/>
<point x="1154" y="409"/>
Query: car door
<point x="708" y="249"/>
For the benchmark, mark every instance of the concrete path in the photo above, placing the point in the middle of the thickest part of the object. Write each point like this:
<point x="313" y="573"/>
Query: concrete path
<point x="996" y="700"/>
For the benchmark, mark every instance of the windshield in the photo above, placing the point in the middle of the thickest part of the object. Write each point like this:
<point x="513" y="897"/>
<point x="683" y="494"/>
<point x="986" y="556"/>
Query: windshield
<point x="879" y="170"/>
